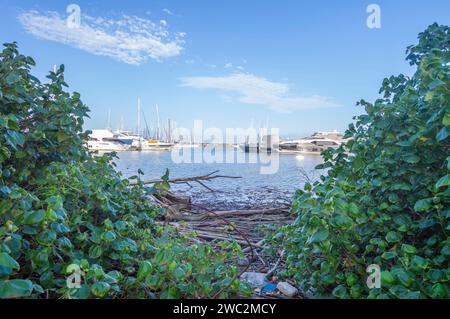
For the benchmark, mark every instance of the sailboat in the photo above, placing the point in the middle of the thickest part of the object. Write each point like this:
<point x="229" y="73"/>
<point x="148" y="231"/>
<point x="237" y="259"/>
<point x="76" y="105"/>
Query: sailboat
<point x="139" y="143"/>
<point x="156" y="144"/>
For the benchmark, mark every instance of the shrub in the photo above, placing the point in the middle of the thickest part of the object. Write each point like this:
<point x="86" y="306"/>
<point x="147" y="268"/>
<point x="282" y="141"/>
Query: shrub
<point x="63" y="210"/>
<point x="385" y="197"/>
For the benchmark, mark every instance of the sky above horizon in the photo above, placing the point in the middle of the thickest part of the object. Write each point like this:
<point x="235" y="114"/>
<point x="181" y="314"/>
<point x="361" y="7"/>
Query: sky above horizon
<point x="300" y="65"/>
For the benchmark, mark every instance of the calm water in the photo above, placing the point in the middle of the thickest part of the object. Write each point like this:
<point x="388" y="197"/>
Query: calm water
<point x="252" y="190"/>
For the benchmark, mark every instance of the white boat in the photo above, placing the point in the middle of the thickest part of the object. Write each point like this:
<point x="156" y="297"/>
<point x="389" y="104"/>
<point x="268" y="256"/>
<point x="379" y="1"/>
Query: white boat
<point x="186" y="145"/>
<point x="155" y="145"/>
<point x="138" y="143"/>
<point x="313" y="144"/>
<point x="263" y="145"/>
<point x="106" y="140"/>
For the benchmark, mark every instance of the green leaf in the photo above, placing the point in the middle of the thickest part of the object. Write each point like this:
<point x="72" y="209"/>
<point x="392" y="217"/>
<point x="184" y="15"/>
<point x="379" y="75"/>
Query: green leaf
<point x="443" y="133"/>
<point x="340" y="291"/>
<point x="405" y="279"/>
<point x="34" y="217"/>
<point x="419" y="262"/>
<point x="14" y="138"/>
<point x="83" y="292"/>
<point x="12" y="78"/>
<point x="387" y="278"/>
<point x="443" y="181"/>
<point x="446" y="119"/>
<point x="9" y="262"/>
<point x="15" y="288"/>
<point x="423" y="205"/>
<point x="95" y="251"/>
<point x="100" y="289"/>
<point x="393" y="237"/>
<point x="109" y="236"/>
<point x="145" y="268"/>
<point x="438" y="290"/>
<point x="319" y="236"/>
<point x="435" y="83"/>
<point x="408" y="249"/>
<point x="412" y="159"/>
<point x="343" y="222"/>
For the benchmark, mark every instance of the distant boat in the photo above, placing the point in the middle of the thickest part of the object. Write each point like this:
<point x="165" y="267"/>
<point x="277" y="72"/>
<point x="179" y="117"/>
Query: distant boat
<point x="106" y="140"/>
<point x="263" y="145"/>
<point x="138" y="143"/>
<point x="155" y="145"/>
<point x="186" y="145"/>
<point x="313" y="144"/>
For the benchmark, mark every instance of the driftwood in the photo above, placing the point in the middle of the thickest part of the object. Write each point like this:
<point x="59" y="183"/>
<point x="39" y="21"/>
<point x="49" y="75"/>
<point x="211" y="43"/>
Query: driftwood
<point x="187" y="180"/>
<point x="240" y="226"/>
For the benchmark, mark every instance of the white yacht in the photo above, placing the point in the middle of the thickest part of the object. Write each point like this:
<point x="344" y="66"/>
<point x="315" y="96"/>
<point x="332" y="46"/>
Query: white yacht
<point x="313" y="144"/>
<point x="138" y="143"/>
<point x="261" y="145"/>
<point x="155" y="145"/>
<point x="106" y="140"/>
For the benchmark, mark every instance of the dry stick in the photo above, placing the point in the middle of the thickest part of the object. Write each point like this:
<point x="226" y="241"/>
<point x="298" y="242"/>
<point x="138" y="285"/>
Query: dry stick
<point x="274" y="268"/>
<point x="244" y="237"/>
<point x="209" y="235"/>
<point x="258" y="244"/>
<point x="227" y="213"/>
<point x="197" y="179"/>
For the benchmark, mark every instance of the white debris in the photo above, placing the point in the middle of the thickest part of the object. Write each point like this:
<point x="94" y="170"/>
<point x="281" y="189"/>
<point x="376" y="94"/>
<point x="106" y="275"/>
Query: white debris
<point x="287" y="289"/>
<point x="255" y="279"/>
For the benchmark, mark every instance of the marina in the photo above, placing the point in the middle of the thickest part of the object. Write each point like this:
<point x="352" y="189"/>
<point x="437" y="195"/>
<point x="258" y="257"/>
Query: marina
<point x="252" y="190"/>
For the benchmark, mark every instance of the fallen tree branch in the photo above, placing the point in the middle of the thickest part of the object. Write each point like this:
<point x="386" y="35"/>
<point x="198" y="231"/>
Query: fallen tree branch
<point x="197" y="179"/>
<point x="274" y="268"/>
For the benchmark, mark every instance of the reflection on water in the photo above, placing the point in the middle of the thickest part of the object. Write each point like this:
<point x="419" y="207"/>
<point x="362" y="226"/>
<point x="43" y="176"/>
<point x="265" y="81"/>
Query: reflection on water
<point x="252" y="190"/>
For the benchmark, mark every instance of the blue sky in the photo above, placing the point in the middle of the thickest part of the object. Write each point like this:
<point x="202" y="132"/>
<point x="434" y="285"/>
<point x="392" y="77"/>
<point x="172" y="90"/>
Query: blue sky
<point x="300" y="64"/>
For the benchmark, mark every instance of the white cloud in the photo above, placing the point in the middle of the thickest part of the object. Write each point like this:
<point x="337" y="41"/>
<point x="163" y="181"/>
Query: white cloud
<point x="240" y="67"/>
<point x="168" y="11"/>
<point x="228" y="65"/>
<point x="251" y="89"/>
<point x="129" y="39"/>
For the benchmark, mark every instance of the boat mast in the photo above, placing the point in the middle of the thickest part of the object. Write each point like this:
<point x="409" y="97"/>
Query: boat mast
<point x="158" y="124"/>
<point x="169" y="133"/>
<point x="108" y="126"/>
<point x="139" y="121"/>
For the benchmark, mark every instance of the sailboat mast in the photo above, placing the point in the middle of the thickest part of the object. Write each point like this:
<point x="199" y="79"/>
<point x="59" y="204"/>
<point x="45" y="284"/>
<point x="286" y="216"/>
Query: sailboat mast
<point x="169" y="132"/>
<point x="108" y="126"/>
<point x="139" y="120"/>
<point x="158" y="124"/>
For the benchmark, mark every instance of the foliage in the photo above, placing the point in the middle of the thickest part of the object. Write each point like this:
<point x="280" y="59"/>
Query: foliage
<point x="385" y="197"/>
<point x="62" y="209"/>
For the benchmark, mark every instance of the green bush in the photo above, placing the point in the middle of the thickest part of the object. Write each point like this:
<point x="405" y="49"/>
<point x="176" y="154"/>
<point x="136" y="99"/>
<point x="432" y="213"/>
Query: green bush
<point x="62" y="209"/>
<point x="385" y="197"/>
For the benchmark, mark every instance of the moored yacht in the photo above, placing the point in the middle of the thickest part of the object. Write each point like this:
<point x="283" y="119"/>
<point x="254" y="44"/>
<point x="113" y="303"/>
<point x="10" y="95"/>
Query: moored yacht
<point x="263" y="145"/>
<point x="313" y="144"/>
<point x="106" y="140"/>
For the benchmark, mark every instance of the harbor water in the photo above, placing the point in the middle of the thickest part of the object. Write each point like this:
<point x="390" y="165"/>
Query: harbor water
<point x="253" y="190"/>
